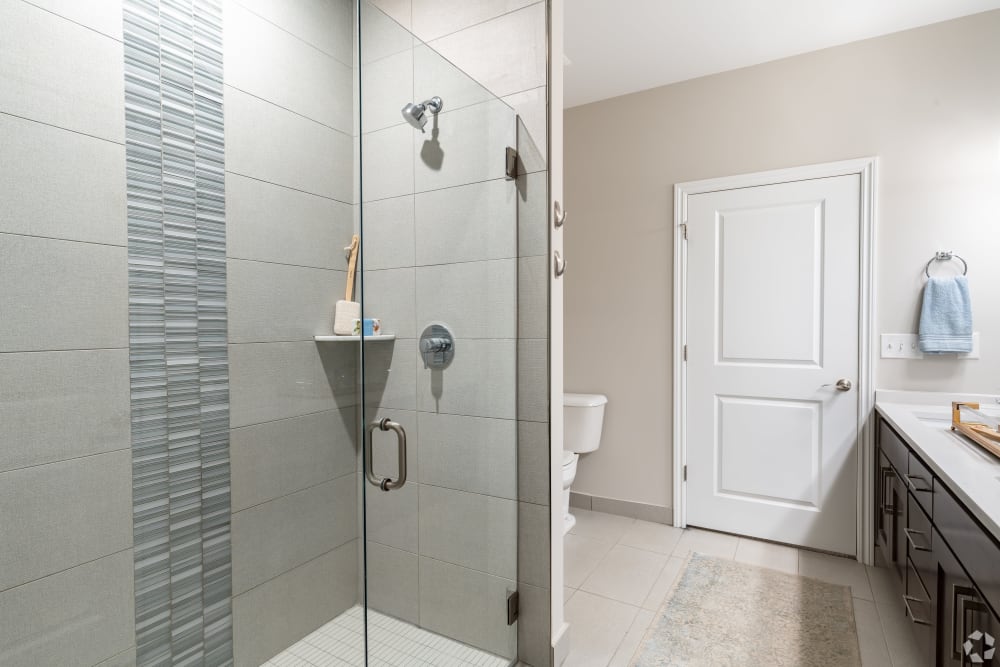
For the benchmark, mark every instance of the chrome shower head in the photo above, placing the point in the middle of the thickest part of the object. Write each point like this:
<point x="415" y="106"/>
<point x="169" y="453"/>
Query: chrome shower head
<point x="415" y="114"/>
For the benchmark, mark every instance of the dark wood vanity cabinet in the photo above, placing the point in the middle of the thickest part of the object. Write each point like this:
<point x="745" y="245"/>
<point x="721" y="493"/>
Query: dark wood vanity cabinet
<point x="944" y="559"/>
<point x="962" y="616"/>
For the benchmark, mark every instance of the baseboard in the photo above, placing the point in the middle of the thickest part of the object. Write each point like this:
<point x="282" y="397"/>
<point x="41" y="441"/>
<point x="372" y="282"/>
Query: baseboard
<point x="629" y="508"/>
<point x="560" y="646"/>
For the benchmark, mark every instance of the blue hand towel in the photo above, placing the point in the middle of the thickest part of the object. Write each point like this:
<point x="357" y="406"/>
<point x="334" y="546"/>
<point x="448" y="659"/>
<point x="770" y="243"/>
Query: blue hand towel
<point x="946" y="316"/>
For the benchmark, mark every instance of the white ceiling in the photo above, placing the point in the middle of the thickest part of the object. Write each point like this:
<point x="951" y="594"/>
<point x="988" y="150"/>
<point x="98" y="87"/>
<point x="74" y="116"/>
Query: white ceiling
<point x="615" y="48"/>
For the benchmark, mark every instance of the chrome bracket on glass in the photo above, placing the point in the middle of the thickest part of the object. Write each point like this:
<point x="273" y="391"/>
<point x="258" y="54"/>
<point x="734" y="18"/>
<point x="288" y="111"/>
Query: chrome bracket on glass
<point x="437" y="346"/>
<point x="385" y="483"/>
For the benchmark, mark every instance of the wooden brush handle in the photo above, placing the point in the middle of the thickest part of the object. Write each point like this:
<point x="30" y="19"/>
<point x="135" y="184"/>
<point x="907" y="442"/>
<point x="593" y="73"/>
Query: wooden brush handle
<point x="351" y="265"/>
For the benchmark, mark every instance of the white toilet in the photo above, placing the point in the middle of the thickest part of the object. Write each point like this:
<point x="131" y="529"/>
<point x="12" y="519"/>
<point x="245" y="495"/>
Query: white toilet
<point x="584" y="418"/>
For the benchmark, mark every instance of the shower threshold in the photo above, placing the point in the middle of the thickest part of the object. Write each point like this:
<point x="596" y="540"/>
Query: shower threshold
<point x="391" y="642"/>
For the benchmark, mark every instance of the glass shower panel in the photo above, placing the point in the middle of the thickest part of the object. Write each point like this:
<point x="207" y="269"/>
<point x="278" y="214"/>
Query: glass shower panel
<point x="438" y="222"/>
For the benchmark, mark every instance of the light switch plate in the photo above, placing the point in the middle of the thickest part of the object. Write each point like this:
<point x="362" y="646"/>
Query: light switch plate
<point x="906" y="346"/>
<point x="901" y="346"/>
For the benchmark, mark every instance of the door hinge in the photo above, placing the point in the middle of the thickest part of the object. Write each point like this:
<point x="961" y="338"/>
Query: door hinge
<point x="684" y="230"/>
<point x="685" y="473"/>
<point x="510" y="162"/>
<point x="685" y="353"/>
<point x="512" y="607"/>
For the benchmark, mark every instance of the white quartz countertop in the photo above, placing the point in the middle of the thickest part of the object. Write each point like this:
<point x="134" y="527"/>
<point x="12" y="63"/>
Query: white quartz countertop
<point x="972" y="474"/>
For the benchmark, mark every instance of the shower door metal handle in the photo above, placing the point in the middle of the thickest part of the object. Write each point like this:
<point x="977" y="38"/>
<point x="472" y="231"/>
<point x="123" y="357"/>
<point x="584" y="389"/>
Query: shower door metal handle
<point x="386" y="483"/>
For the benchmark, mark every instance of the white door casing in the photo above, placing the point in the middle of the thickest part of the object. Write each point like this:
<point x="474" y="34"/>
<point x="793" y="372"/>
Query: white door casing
<point x="773" y="309"/>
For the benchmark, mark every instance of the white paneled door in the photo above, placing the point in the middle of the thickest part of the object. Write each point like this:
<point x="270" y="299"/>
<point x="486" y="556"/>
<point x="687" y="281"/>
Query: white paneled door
<point x="772" y="336"/>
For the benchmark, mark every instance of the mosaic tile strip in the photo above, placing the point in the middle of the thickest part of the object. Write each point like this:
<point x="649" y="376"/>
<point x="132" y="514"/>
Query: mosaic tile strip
<point x="177" y="331"/>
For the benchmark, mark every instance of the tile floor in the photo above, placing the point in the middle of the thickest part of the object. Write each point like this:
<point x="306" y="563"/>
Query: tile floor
<point x="391" y="642"/>
<point x="619" y="571"/>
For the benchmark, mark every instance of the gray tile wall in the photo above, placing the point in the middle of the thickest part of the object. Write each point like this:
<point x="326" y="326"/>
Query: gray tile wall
<point x="66" y="560"/>
<point x="289" y="213"/>
<point x="442" y="243"/>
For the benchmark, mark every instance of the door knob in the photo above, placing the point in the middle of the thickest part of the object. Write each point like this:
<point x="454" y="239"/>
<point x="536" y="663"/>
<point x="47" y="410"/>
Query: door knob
<point x="843" y="384"/>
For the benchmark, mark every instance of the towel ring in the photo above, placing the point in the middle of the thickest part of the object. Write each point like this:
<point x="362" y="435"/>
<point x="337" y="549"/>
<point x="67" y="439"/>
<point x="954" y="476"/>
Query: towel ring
<point x="944" y="257"/>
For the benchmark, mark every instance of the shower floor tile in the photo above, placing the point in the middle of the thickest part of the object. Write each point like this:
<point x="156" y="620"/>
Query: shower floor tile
<point x="391" y="642"/>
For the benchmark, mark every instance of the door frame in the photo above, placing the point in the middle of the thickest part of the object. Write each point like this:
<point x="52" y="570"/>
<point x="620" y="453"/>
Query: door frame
<point x="866" y="168"/>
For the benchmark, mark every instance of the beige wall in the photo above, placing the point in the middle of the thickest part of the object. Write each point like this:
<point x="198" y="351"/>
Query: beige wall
<point x="925" y="101"/>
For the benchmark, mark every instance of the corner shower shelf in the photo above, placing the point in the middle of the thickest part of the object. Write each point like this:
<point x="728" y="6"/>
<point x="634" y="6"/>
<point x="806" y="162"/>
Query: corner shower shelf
<point x="352" y="339"/>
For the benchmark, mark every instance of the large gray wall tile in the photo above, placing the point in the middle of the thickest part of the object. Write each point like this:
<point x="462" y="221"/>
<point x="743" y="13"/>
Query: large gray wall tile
<point x="78" y="86"/>
<point x="104" y="17"/>
<point x="280" y="457"/>
<point x="393" y="583"/>
<point x="278" y="613"/>
<point x="533" y="461"/>
<point x="271" y="381"/>
<point x="435" y="75"/>
<point x="272" y="223"/>
<point x="390" y="295"/>
<point x="533" y="297"/>
<point x="506" y="54"/>
<point x="389" y="374"/>
<point x="467" y="605"/>
<point x="532" y="112"/>
<point x="279" y="535"/>
<point x="383" y="36"/>
<point x="278" y="302"/>
<point x="126" y="658"/>
<point x="436" y="18"/>
<point x="391" y="518"/>
<point x="476" y="299"/>
<point x="469" y="453"/>
<point x="326" y="24"/>
<point x="387" y="167"/>
<point x="62" y="405"/>
<point x="533" y="380"/>
<point x="481" y="381"/>
<point x="534" y="530"/>
<point x="59" y="515"/>
<point x="80" y="616"/>
<point x="532" y="215"/>
<point x="68" y="185"/>
<point x="467" y="223"/>
<point x="60" y="295"/>
<point x="269" y="62"/>
<point x="458" y="153"/>
<point x="469" y="529"/>
<point x="534" y="646"/>
<point x="273" y="144"/>
<point x="386" y="86"/>
<point x="387" y="231"/>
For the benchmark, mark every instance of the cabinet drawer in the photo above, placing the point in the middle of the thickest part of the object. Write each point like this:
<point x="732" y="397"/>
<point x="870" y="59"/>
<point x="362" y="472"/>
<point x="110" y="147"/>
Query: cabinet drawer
<point x="920" y="482"/>
<point x="893" y="447"/>
<point x="971" y="543"/>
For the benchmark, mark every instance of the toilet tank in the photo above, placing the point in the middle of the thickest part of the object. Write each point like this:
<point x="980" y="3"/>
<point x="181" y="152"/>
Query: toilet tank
<point x="584" y="418"/>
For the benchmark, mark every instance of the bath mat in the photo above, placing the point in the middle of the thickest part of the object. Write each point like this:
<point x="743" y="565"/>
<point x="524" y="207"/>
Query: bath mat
<point x="727" y="613"/>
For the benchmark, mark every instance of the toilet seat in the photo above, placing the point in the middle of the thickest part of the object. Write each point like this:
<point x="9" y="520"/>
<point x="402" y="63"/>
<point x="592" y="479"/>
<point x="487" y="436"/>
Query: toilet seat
<point x="569" y="458"/>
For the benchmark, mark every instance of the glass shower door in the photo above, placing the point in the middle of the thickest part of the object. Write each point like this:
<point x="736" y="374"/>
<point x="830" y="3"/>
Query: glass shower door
<point x="438" y="226"/>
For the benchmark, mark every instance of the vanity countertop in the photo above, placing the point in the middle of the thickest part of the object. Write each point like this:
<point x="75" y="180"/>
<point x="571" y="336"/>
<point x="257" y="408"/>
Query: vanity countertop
<point x="972" y="474"/>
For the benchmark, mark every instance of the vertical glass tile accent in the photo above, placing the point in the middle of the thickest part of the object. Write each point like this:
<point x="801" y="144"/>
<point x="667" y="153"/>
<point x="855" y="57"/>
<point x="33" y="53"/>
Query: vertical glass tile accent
<point x="175" y="174"/>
